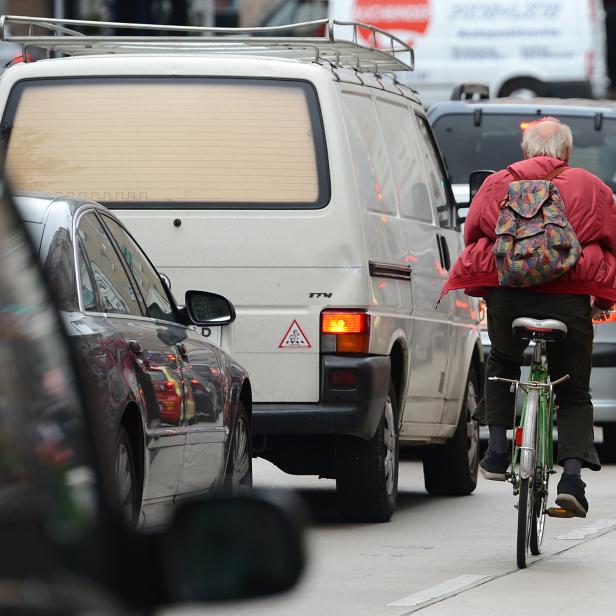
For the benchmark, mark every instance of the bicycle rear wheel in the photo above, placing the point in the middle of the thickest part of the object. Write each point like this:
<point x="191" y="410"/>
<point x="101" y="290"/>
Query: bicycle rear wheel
<point x="527" y="520"/>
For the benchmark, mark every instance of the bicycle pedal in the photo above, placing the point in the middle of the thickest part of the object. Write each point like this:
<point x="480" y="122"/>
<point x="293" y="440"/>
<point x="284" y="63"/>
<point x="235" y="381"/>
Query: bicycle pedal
<point x="559" y="512"/>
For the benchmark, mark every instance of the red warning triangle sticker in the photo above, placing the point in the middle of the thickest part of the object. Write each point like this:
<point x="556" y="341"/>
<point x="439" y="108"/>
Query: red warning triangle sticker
<point x="295" y="338"/>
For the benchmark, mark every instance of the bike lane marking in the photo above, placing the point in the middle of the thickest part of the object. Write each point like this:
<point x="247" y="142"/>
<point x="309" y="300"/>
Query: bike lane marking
<point x="463" y="583"/>
<point x="447" y="589"/>
<point x="588" y="531"/>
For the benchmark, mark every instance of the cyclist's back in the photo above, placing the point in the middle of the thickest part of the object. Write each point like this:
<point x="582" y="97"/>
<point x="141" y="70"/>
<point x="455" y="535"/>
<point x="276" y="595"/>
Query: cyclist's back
<point x="590" y="210"/>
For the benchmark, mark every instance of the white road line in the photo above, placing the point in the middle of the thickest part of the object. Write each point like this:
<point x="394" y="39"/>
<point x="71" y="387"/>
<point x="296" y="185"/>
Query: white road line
<point x="442" y="591"/>
<point x="588" y="531"/>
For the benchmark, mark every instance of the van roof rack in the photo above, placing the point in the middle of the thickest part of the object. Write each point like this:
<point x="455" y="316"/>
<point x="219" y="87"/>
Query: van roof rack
<point x="60" y="36"/>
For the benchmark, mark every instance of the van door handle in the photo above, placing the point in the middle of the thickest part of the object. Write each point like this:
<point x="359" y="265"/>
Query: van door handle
<point x="443" y="251"/>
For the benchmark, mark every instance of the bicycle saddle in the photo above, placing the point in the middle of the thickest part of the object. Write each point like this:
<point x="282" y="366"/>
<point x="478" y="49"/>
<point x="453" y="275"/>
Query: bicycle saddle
<point x="546" y="329"/>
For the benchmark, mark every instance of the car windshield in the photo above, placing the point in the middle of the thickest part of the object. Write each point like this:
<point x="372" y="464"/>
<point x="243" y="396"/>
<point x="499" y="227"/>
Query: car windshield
<point x="495" y="143"/>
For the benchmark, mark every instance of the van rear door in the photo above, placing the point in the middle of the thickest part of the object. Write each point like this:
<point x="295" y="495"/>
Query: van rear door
<point x="223" y="181"/>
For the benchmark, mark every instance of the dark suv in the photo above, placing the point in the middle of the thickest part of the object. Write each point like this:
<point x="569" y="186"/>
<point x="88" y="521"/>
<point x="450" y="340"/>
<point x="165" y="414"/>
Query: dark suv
<point x="486" y="134"/>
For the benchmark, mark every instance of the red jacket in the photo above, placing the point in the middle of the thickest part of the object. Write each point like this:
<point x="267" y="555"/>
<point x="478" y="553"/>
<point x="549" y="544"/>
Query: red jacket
<point x="590" y="209"/>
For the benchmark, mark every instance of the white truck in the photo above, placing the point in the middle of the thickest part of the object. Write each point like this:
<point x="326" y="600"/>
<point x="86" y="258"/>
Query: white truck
<point x="517" y="47"/>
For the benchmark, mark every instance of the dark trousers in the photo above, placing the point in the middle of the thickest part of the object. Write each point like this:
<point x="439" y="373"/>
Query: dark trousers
<point x="571" y="355"/>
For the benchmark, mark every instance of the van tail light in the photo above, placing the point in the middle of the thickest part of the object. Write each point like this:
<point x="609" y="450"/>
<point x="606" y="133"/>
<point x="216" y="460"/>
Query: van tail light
<point x="345" y="331"/>
<point x="519" y="434"/>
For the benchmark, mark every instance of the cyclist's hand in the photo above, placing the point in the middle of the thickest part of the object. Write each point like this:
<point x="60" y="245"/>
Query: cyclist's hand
<point x="598" y="314"/>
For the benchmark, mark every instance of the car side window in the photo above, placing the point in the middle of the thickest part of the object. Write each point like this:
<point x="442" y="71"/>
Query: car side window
<point x="87" y="284"/>
<point x="112" y="282"/>
<point x="148" y="280"/>
<point x="437" y="178"/>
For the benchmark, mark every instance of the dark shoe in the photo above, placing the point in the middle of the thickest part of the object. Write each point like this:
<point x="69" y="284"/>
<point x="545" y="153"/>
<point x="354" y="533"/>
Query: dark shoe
<point x="494" y="465"/>
<point x="570" y="495"/>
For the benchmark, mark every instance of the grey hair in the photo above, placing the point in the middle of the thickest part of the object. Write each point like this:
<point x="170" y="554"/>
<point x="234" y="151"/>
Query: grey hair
<point x="558" y="145"/>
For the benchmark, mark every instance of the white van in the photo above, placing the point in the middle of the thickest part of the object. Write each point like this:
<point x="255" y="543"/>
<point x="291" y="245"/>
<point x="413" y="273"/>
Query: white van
<point x="518" y="47"/>
<point x="314" y="197"/>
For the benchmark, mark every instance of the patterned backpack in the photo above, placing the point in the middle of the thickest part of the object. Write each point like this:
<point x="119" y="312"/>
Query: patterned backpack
<point x="534" y="241"/>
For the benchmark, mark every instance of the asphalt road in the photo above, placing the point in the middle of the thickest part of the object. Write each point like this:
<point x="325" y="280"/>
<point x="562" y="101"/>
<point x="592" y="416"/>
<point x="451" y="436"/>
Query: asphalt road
<point x="445" y="555"/>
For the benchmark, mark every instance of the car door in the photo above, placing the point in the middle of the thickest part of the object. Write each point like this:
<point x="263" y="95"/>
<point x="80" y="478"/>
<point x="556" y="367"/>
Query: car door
<point x="200" y="384"/>
<point x="148" y="351"/>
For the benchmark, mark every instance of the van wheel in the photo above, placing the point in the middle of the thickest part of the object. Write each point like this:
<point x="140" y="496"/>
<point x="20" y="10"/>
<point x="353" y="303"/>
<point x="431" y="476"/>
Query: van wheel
<point x="126" y="478"/>
<point x="608" y="450"/>
<point x="524" y="87"/>
<point x="367" y="471"/>
<point x="451" y="469"/>
<point x="239" y="470"/>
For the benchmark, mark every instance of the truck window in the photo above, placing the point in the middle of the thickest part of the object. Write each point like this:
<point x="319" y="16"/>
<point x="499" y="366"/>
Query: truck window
<point x="167" y="142"/>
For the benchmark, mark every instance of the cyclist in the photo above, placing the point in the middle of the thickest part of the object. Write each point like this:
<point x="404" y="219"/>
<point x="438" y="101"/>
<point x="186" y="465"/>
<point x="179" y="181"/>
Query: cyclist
<point x="585" y="292"/>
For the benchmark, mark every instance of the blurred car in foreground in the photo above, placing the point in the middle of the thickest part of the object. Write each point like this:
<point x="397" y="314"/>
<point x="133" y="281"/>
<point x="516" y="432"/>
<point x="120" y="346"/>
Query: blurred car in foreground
<point x="177" y="406"/>
<point x="486" y="134"/>
<point x="66" y="548"/>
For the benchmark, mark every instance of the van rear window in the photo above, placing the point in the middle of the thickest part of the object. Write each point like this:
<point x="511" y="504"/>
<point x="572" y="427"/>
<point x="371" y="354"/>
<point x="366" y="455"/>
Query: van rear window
<point x="169" y="142"/>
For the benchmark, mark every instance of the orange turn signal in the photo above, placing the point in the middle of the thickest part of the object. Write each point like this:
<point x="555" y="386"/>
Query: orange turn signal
<point x="345" y="331"/>
<point x="344" y="322"/>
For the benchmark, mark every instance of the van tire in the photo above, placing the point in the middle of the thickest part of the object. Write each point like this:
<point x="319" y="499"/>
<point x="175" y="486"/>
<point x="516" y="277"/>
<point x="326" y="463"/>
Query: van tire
<point x="534" y="87"/>
<point x="608" y="450"/>
<point x="451" y="469"/>
<point x="367" y="471"/>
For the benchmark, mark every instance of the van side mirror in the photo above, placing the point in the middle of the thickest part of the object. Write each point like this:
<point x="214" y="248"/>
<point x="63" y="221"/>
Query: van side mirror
<point x="476" y="179"/>
<point x="206" y="308"/>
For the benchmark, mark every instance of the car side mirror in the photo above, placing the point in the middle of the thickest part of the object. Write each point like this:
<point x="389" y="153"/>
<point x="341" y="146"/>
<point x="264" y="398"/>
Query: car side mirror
<point x="206" y="308"/>
<point x="234" y="546"/>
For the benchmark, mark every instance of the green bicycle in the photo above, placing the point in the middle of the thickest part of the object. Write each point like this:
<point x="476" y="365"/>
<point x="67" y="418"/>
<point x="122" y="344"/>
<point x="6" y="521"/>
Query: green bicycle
<point x="532" y="459"/>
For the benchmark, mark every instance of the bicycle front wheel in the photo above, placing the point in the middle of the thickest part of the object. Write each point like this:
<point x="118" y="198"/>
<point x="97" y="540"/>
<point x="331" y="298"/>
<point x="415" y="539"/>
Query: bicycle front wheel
<point x="527" y="520"/>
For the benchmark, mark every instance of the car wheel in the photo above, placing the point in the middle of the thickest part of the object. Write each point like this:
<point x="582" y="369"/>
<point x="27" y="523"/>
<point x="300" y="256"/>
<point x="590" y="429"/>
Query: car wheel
<point x="608" y="451"/>
<point x="524" y="87"/>
<point x="126" y="477"/>
<point x="451" y="469"/>
<point x="239" y="471"/>
<point x="367" y="471"/>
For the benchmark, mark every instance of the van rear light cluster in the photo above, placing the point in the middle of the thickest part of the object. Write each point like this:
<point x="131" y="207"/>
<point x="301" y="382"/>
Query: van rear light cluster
<point x="345" y="331"/>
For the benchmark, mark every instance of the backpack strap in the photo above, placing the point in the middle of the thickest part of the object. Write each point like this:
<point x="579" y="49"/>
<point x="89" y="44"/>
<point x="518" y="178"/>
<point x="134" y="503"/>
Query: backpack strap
<point x="556" y="172"/>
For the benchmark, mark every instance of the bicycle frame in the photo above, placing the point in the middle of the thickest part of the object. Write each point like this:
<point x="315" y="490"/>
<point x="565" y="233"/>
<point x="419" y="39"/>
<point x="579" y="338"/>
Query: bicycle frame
<point x="526" y="454"/>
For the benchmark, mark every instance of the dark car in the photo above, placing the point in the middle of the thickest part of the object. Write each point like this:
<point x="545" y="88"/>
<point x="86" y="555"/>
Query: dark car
<point x="177" y="406"/>
<point x="486" y="134"/>
<point x="66" y="547"/>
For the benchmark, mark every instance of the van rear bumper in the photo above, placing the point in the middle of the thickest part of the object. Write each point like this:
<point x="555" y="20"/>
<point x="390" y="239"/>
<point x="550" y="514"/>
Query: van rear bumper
<point x="353" y="412"/>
